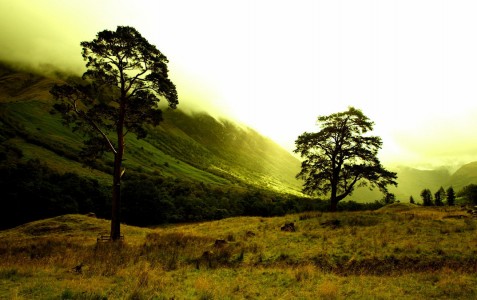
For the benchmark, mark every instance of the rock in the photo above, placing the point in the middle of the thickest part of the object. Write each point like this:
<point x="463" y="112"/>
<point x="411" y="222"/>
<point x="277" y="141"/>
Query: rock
<point x="289" y="227"/>
<point x="220" y="243"/>
<point x="333" y="223"/>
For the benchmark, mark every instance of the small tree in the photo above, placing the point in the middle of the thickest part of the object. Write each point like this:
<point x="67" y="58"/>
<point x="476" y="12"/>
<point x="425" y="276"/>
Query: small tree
<point x="341" y="156"/>
<point x="439" y="197"/>
<point x="450" y="195"/>
<point x="411" y="200"/>
<point x="125" y="79"/>
<point x="426" y="196"/>
<point x="389" y="198"/>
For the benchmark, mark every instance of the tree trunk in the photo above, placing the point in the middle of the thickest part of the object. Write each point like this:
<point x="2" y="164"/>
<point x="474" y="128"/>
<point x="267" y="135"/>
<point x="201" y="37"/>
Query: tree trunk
<point x="118" y="159"/>
<point x="116" y="201"/>
<point x="333" y="199"/>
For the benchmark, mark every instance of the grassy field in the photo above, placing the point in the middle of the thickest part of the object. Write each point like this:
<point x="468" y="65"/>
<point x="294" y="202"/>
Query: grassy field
<point x="398" y="252"/>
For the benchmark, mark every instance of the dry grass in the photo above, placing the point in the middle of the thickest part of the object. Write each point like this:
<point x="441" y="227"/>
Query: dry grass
<point x="394" y="253"/>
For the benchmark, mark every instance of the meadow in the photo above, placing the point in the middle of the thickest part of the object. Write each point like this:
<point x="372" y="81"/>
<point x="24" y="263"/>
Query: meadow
<point x="400" y="251"/>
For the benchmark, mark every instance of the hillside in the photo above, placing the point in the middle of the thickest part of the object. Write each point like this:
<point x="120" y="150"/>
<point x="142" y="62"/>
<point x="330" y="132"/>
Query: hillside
<point x="413" y="181"/>
<point x="195" y="146"/>
<point x="465" y="175"/>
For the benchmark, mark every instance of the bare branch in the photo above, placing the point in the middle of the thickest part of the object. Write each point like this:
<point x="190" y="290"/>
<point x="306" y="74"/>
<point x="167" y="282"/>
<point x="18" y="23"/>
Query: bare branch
<point x="83" y="115"/>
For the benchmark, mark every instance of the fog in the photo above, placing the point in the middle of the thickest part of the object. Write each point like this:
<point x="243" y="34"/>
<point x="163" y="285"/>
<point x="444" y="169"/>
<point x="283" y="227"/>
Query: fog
<point x="277" y="65"/>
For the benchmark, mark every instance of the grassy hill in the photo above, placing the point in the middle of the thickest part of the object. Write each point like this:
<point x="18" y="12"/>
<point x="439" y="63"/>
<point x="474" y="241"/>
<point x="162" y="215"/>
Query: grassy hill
<point x="398" y="252"/>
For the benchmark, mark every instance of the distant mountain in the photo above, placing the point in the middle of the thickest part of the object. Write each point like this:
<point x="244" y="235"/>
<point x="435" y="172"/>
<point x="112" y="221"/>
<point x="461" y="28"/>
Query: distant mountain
<point x="465" y="175"/>
<point x="410" y="183"/>
<point x="193" y="146"/>
<point x="413" y="181"/>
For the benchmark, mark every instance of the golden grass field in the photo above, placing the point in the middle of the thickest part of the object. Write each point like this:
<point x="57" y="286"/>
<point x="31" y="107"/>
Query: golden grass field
<point x="398" y="252"/>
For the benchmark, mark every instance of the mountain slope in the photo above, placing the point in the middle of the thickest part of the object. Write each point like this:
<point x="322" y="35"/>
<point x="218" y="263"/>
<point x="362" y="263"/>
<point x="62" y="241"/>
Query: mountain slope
<point x="195" y="146"/>
<point x="465" y="175"/>
<point x="412" y="181"/>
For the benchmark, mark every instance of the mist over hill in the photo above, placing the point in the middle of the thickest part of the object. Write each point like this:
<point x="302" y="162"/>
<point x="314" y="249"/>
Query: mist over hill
<point x="193" y="146"/>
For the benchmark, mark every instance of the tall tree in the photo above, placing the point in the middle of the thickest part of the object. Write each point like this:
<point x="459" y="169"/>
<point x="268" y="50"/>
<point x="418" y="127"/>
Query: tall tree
<point x="341" y="156"/>
<point x="125" y="79"/>
<point x="450" y="194"/>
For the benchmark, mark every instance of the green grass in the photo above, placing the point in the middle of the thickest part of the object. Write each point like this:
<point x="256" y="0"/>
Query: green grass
<point x="33" y="119"/>
<point x="57" y="162"/>
<point x="395" y="253"/>
<point x="168" y="151"/>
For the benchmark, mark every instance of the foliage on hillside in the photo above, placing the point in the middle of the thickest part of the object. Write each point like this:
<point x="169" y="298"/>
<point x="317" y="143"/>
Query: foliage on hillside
<point x="32" y="191"/>
<point x="415" y="253"/>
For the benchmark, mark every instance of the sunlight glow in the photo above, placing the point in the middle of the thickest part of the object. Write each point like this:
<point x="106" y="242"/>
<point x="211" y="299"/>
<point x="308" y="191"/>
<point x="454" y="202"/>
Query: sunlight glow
<point x="277" y="65"/>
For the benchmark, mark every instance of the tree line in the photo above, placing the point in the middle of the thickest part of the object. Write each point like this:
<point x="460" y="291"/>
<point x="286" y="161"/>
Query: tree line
<point x="32" y="191"/>
<point x="468" y="195"/>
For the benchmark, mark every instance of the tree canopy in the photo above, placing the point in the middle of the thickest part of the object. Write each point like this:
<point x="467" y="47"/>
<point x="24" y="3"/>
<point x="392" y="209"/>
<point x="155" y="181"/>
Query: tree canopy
<point x="126" y="77"/>
<point x="341" y="156"/>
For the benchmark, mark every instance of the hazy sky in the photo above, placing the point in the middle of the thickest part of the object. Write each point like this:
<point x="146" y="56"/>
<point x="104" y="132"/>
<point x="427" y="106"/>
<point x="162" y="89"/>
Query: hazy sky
<point x="409" y="65"/>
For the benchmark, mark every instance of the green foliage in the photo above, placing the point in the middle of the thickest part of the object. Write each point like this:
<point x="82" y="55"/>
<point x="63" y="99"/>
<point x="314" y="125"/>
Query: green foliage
<point x="154" y="200"/>
<point x="32" y="191"/>
<point x="411" y="200"/>
<point x="469" y="192"/>
<point x="341" y="156"/>
<point x="122" y="67"/>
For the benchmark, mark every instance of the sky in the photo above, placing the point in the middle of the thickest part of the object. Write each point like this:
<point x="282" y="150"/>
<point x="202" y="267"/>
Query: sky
<point x="274" y="65"/>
